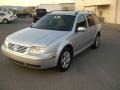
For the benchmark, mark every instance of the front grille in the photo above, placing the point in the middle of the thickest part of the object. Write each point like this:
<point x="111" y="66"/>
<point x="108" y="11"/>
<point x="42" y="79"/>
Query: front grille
<point x="17" y="48"/>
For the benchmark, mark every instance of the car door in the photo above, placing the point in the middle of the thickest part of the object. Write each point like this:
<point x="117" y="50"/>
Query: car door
<point x="80" y="38"/>
<point x="91" y="27"/>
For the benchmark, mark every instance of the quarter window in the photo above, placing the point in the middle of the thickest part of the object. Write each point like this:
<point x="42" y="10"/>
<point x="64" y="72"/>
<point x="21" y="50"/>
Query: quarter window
<point x="96" y="19"/>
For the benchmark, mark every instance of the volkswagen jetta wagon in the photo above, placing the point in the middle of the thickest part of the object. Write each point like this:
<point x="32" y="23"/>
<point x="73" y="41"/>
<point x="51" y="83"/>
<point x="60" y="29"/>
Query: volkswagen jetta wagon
<point x="53" y="40"/>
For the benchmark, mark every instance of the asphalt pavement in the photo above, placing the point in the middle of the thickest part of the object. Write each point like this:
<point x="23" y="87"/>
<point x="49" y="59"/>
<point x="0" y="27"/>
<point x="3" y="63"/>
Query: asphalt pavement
<point x="93" y="69"/>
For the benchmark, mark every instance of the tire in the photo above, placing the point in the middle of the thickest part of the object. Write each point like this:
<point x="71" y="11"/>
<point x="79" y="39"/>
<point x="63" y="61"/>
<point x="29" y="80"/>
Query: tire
<point x="64" y="60"/>
<point x="5" y="21"/>
<point x="96" y="42"/>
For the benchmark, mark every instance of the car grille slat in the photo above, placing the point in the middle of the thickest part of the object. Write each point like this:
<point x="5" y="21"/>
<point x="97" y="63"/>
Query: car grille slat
<point x="10" y="45"/>
<point x="17" y="48"/>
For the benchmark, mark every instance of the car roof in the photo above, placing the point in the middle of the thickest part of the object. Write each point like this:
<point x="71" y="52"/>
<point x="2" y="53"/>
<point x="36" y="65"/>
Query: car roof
<point x="70" y="12"/>
<point x="63" y="12"/>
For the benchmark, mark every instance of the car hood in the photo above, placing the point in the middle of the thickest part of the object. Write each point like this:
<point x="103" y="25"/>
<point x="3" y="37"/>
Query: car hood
<point x="30" y="36"/>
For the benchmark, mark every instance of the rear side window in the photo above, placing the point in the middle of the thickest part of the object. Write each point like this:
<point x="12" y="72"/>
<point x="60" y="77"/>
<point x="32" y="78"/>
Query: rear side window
<point x="90" y="20"/>
<point x="96" y="19"/>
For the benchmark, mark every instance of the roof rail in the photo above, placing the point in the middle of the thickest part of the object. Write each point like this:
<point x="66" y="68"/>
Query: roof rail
<point x="76" y="12"/>
<point x="65" y="10"/>
<point x="61" y="10"/>
<point x="84" y="11"/>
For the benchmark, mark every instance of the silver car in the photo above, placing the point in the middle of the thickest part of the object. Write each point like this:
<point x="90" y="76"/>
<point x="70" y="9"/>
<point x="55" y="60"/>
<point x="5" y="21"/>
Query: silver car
<point x="53" y="40"/>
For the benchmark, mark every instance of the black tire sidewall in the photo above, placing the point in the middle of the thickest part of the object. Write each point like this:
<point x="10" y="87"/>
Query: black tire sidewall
<point x="98" y="37"/>
<point x="59" y="65"/>
<point x="94" y="45"/>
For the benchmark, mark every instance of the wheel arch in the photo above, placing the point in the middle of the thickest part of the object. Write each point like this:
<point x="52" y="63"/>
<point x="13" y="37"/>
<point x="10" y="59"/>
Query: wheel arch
<point x="65" y="45"/>
<point x="59" y="66"/>
<point x="70" y="47"/>
<point x="5" y="19"/>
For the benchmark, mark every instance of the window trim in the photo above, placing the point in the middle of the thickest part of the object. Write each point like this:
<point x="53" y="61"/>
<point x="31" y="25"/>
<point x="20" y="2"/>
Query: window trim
<point x="78" y="18"/>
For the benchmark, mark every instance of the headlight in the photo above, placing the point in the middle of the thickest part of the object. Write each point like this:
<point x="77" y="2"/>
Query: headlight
<point x="37" y="50"/>
<point x="6" y="43"/>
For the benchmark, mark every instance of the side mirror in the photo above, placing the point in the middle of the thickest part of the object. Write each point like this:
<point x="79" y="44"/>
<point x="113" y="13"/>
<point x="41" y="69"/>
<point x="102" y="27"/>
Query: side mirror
<point x="81" y="29"/>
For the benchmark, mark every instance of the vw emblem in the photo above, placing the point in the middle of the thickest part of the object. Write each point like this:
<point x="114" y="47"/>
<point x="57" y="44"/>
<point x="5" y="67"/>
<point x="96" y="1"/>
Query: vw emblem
<point x="15" y="47"/>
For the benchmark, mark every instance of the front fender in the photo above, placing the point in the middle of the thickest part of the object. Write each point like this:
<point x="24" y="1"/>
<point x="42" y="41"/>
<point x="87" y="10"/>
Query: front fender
<point x="61" y="47"/>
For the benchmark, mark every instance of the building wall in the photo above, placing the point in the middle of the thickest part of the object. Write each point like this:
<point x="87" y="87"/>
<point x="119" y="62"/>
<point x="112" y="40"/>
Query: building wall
<point x="95" y="2"/>
<point x="109" y="12"/>
<point x="61" y="6"/>
<point x="68" y="6"/>
<point x="118" y="12"/>
<point x="50" y="7"/>
<point x="79" y="5"/>
<point x="103" y="8"/>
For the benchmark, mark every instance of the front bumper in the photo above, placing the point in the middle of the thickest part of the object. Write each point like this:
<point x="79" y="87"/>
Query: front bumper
<point x="32" y="61"/>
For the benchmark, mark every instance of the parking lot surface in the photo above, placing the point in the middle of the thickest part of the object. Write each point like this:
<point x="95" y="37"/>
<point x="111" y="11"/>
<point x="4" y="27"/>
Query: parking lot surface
<point x="97" y="69"/>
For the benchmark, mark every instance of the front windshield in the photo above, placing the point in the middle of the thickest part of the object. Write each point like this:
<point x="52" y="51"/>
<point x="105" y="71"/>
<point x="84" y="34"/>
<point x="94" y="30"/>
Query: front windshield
<point x="56" y="22"/>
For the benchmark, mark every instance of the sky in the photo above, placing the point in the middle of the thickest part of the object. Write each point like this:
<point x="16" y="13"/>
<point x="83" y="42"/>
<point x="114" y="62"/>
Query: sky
<point x="32" y="2"/>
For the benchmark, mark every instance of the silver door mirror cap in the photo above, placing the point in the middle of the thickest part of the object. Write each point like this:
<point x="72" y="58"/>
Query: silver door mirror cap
<point x="81" y="29"/>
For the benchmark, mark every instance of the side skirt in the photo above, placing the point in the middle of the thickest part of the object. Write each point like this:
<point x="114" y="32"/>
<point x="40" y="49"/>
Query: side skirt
<point x="79" y="51"/>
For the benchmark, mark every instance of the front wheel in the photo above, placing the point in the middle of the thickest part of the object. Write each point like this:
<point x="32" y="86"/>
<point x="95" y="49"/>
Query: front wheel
<point x="5" y="21"/>
<point x="64" y="60"/>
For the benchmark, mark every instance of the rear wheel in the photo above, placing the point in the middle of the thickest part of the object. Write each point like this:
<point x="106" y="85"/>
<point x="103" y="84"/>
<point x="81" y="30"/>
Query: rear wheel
<point x="96" y="42"/>
<point x="5" y="21"/>
<point x="64" y="60"/>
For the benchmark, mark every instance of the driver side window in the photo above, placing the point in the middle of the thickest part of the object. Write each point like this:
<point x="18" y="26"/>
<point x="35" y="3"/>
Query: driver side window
<point x="81" y="22"/>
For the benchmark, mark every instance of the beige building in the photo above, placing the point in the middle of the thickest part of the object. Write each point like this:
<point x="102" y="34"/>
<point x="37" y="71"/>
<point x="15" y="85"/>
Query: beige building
<point x="61" y="6"/>
<point x="68" y="6"/>
<point x="109" y="10"/>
